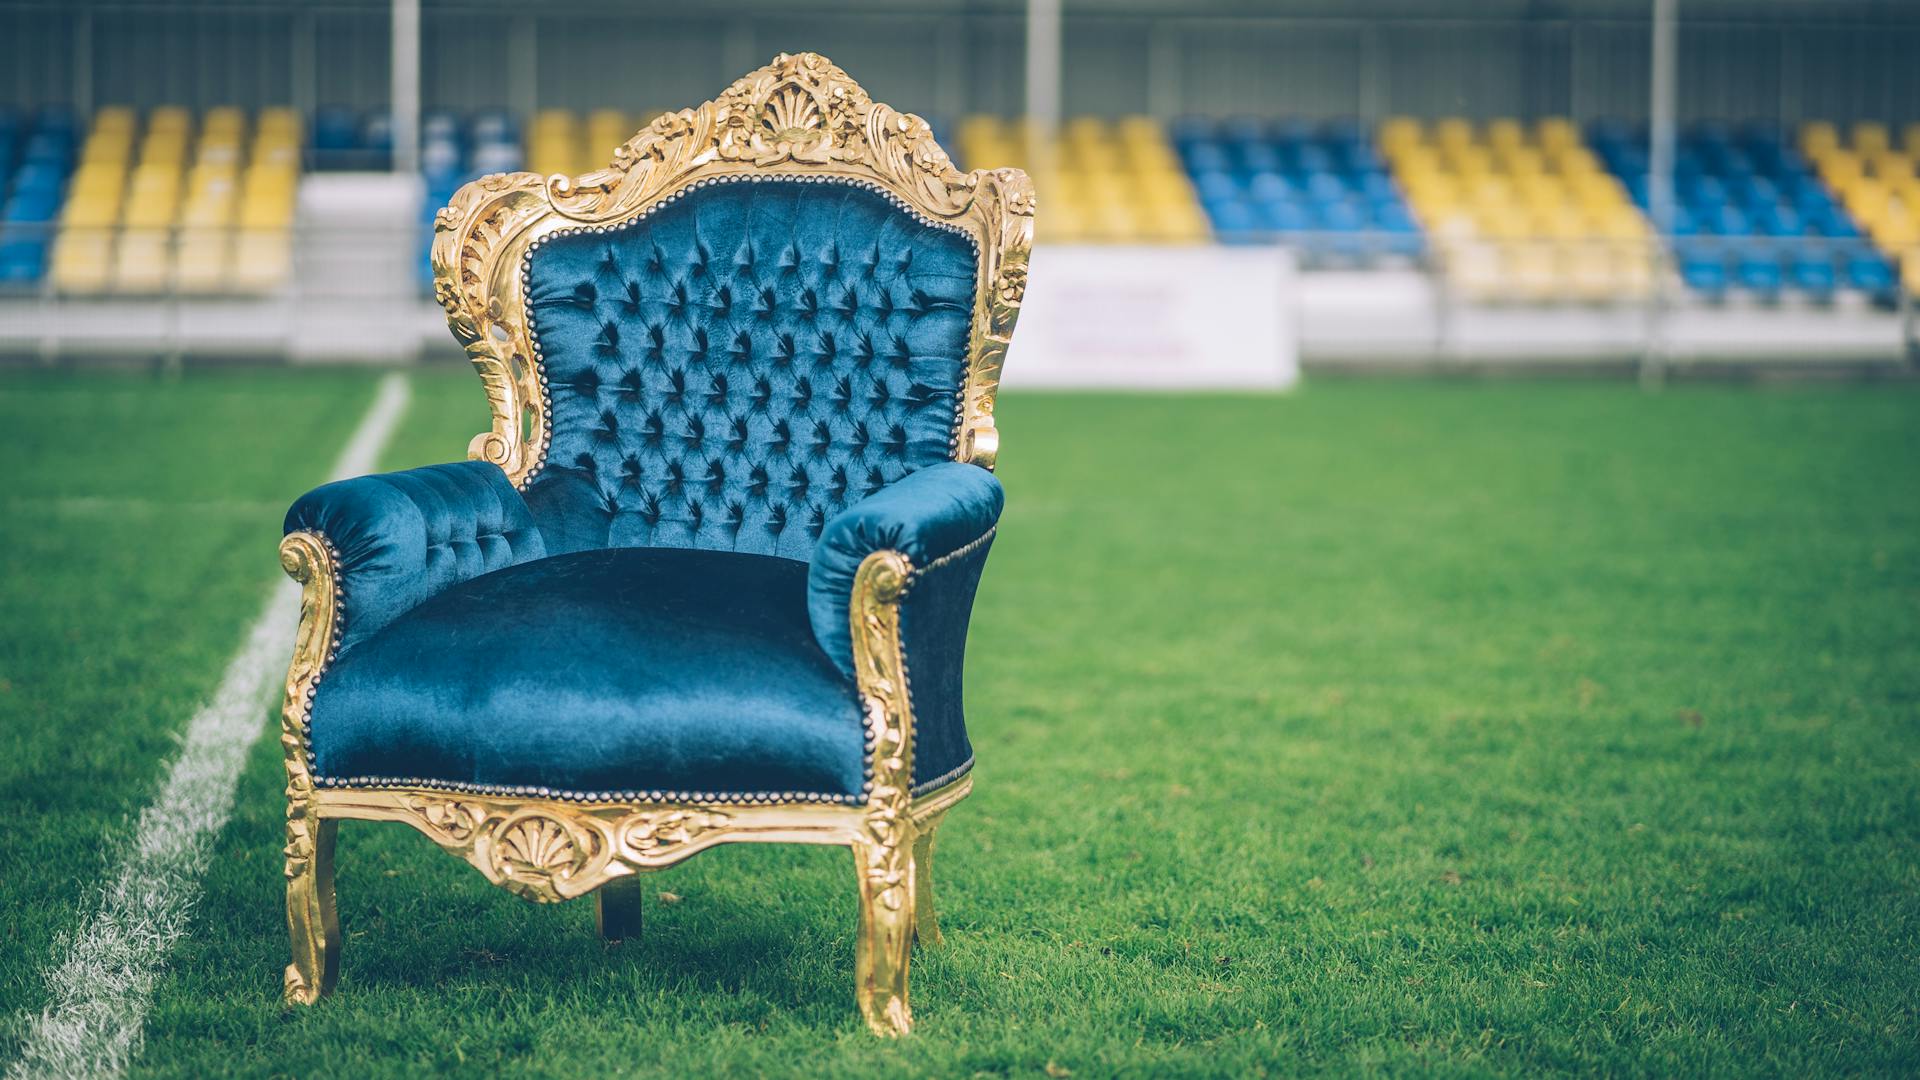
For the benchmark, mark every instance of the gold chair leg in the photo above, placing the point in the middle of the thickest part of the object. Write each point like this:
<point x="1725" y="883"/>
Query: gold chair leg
<point x="885" y="937"/>
<point x="926" y="921"/>
<point x="616" y="908"/>
<point x="311" y="918"/>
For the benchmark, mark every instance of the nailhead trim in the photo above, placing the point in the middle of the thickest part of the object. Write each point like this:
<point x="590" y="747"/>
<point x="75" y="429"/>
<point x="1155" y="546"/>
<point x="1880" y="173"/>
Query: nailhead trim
<point x="956" y="554"/>
<point x="945" y="778"/>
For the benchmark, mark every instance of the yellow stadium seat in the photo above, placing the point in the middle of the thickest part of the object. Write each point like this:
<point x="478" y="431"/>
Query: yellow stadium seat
<point x="1817" y="138"/>
<point x="1869" y="137"/>
<point x="82" y="260"/>
<point x="1518" y="212"/>
<point x="262" y="260"/>
<point x="203" y="263"/>
<point x="142" y="261"/>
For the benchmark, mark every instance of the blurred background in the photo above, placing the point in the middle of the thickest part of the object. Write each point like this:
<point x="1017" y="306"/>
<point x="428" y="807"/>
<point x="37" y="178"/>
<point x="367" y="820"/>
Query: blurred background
<point x="1370" y="184"/>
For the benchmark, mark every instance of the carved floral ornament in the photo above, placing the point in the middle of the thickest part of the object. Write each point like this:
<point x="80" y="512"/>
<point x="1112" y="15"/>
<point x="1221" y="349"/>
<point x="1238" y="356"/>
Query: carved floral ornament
<point x="798" y="116"/>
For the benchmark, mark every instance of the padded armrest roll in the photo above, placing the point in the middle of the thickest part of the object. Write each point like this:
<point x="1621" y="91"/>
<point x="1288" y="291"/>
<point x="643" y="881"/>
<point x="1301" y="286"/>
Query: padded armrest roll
<point x="942" y="519"/>
<point x="403" y="537"/>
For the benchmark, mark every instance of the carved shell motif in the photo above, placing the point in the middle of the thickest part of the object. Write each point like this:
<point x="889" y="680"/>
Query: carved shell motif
<point x="537" y="849"/>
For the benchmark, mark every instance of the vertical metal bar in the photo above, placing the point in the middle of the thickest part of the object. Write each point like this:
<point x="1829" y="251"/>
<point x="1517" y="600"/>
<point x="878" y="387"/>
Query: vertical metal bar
<point x="523" y="66"/>
<point x="1576" y="107"/>
<point x="1666" y="18"/>
<point x="1043" y="80"/>
<point x="1661" y="119"/>
<point x="1374" y="76"/>
<point x="83" y="63"/>
<point x="301" y="68"/>
<point x="950" y="63"/>
<point x="405" y="98"/>
<point x="1165" y="97"/>
<point x="736" y="50"/>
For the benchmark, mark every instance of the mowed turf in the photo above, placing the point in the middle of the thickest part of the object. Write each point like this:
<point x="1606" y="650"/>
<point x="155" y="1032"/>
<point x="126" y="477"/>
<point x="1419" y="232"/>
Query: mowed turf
<point x="1417" y="728"/>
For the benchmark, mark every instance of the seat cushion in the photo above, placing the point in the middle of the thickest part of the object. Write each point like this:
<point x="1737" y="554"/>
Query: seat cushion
<point x="655" y="672"/>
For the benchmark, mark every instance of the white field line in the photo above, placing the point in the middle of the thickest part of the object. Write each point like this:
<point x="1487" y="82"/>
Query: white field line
<point x="102" y="985"/>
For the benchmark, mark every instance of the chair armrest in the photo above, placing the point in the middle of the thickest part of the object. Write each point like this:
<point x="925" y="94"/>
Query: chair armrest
<point x="942" y="519"/>
<point x="400" y="538"/>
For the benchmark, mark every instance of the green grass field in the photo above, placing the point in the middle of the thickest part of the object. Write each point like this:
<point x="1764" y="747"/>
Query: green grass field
<point x="1381" y="727"/>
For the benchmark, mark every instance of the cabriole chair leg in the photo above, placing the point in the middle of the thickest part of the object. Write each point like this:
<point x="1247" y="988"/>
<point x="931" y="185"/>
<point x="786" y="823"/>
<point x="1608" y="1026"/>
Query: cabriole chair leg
<point x="885" y="936"/>
<point x="926" y="921"/>
<point x="616" y="908"/>
<point x="311" y="918"/>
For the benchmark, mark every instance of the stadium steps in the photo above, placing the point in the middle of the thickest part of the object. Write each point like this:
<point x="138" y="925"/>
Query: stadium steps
<point x="354" y="259"/>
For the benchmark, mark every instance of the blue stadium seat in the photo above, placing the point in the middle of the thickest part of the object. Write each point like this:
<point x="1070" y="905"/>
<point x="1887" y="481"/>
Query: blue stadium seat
<point x="1814" y="276"/>
<point x="1318" y="186"/>
<point x="1759" y="273"/>
<point x="336" y="128"/>
<point x="23" y="255"/>
<point x="1745" y="184"/>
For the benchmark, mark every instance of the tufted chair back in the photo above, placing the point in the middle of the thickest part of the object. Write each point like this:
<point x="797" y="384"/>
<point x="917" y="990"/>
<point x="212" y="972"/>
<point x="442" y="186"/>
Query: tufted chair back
<point x="734" y="367"/>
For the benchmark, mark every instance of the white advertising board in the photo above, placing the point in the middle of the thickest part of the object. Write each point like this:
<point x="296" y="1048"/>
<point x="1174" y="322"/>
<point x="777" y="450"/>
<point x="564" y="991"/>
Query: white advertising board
<point x="1156" y="317"/>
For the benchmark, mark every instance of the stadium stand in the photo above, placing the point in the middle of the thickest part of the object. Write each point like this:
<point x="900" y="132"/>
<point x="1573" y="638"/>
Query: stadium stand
<point x="345" y="138"/>
<point x="196" y="210"/>
<point x="559" y="142"/>
<point x="1321" y="188"/>
<point x="1521" y="213"/>
<point x="454" y="150"/>
<point x="1749" y="215"/>
<point x="36" y="159"/>
<point x="1877" y="183"/>
<point x="1104" y="181"/>
<point x="1510" y="212"/>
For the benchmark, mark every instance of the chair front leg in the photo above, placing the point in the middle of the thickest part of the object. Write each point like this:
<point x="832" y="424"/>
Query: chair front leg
<point x="926" y="922"/>
<point x="884" y="941"/>
<point x="311" y="918"/>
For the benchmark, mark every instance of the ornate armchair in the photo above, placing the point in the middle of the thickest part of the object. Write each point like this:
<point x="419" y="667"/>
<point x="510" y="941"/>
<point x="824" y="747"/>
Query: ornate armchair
<point x="708" y="577"/>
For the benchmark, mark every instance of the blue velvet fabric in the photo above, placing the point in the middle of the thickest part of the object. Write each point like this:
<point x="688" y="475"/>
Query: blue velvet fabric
<point x="406" y="536"/>
<point x="641" y="670"/>
<point x="939" y="518"/>
<point x="751" y="389"/>
<point x="740" y="365"/>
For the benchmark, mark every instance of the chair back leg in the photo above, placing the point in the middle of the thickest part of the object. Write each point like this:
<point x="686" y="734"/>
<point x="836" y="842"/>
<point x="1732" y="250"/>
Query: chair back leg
<point x="926" y="922"/>
<point x="616" y="908"/>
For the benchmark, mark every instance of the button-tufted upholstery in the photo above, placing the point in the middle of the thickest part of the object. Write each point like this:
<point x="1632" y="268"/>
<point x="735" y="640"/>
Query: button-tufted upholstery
<point x="403" y="537"/>
<point x="731" y="370"/>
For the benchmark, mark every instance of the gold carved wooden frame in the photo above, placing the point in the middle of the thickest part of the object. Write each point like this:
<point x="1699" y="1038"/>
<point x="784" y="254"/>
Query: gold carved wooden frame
<point x="800" y="116"/>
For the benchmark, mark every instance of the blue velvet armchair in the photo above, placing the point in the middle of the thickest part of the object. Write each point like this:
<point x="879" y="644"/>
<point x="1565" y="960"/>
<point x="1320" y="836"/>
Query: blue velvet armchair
<point x="707" y="578"/>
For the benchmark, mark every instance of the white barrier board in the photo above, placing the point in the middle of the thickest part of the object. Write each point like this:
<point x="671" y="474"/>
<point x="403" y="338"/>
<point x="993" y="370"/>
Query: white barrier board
<point x="1156" y="317"/>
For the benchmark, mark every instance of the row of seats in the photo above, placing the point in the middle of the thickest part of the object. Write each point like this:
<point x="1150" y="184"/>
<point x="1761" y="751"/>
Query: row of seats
<point x="36" y="157"/>
<point x="559" y="141"/>
<point x="1103" y="182"/>
<point x="1320" y="188"/>
<point x="1748" y="213"/>
<point x="1878" y="183"/>
<point x="453" y="151"/>
<point x="1519" y="212"/>
<point x="197" y="209"/>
